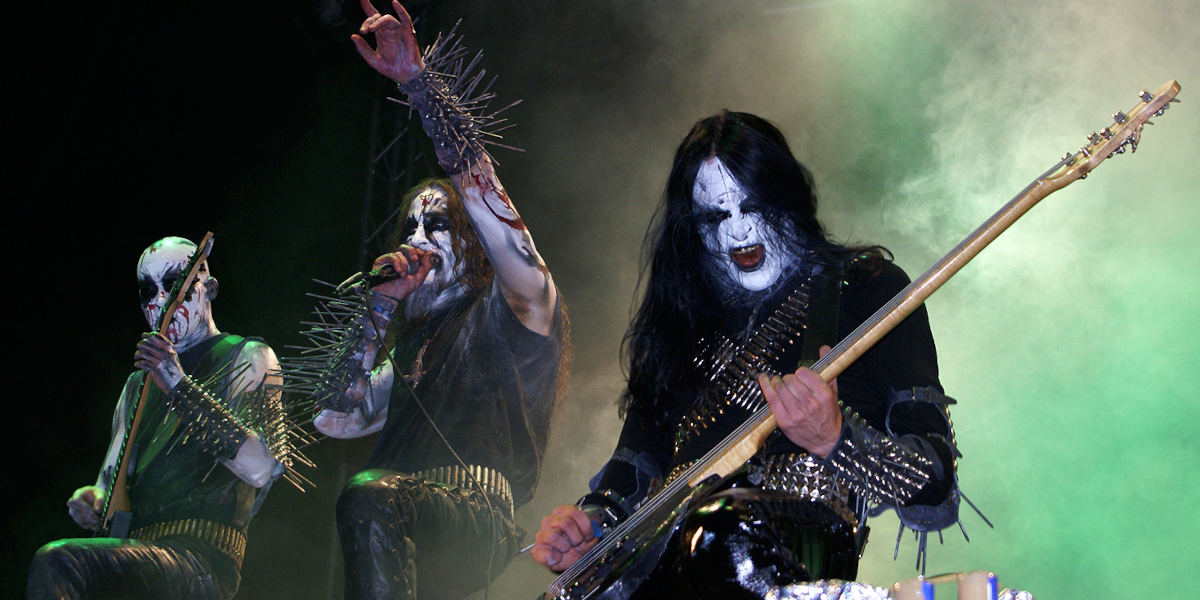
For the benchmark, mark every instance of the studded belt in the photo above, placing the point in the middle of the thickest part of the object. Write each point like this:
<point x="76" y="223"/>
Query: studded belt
<point x="473" y="477"/>
<point x="228" y="540"/>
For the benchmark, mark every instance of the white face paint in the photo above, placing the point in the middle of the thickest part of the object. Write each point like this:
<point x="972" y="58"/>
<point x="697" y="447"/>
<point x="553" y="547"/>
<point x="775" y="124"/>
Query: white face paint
<point x="428" y="228"/>
<point x="160" y="266"/>
<point x="749" y="254"/>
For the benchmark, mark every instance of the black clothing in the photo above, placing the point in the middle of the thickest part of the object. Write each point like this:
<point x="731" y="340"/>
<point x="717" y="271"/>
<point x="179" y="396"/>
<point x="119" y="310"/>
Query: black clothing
<point x="172" y="481"/>
<point x="793" y="537"/>
<point x="488" y="382"/>
<point x="490" y="385"/>
<point x="464" y="537"/>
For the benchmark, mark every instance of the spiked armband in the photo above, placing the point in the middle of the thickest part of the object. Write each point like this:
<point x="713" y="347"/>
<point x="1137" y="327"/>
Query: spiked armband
<point x="346" y="335"/>
<point x="210" y="424"/>
<point x="452" y="100"/>
<point x="877" y="467"/>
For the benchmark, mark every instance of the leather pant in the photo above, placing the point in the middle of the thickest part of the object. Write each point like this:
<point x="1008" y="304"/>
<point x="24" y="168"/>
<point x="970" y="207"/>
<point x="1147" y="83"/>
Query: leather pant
<point x="743" y="542"/>
<point x="403" y="537"/>
<point x="171" y="567"/>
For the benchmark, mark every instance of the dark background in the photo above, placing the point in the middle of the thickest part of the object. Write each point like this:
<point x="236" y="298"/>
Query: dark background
<point x="1070" y="343"/>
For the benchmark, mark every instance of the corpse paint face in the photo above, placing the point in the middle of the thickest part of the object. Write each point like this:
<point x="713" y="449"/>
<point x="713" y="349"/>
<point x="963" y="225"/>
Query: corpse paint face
<point x="746" y="247"/>
<point x="428" y="228"/>
<point x="160" y="266"/>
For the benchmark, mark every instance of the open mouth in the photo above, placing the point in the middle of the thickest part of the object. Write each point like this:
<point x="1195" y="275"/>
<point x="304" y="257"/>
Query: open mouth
<point x="747" y="258"/>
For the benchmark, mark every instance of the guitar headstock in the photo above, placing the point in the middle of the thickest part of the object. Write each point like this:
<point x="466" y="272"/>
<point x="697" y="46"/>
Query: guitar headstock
<point x="1124" y="132"/>
<point x="188" y="277"/>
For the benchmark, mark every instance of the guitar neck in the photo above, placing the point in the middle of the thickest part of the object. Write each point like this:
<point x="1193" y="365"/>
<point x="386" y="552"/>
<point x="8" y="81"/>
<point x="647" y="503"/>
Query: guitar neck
<point x="118" y="493"/>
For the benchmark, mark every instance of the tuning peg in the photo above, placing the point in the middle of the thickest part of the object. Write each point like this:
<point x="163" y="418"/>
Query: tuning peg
<point x="1106" y="133"/>
<point x="1119" y="117"/>
<point x="1084" y="151"/>
<point x="1145" y="95"/>
<point x="1068" y="158"/>
<point x="1094" y="138"/>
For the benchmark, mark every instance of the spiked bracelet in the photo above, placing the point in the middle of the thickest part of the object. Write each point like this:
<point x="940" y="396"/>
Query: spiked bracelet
<point x="209" y="423"/>
<point x="454" y="106"/>
<point x="876" y="466"/>
<point x="365" y="318"/>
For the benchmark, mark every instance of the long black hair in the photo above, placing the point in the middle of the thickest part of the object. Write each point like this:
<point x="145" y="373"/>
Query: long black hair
<point x="680" y="302"/>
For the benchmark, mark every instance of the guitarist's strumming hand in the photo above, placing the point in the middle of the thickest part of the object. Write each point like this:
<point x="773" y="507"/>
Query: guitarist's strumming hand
<point x="806" y="408"/>
<point x="566" y="534"/>
<point x="85" y="506"/>
<point x="156" y="356"/>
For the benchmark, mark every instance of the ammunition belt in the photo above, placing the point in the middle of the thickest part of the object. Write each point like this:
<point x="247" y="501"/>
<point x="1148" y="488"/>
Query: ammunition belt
<point x="474" y="477"/>
<point x="228" y="540"/>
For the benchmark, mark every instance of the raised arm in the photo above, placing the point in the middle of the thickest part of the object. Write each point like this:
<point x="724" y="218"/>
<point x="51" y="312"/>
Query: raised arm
<point x="457" y="125"/>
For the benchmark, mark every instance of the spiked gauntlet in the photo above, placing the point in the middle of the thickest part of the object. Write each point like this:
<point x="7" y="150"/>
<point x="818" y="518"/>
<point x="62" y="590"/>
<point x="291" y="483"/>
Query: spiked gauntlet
<point x="878" y="467"/>
<point x="210" y="424"/>
<point x="452" y="101"/>
<point x="347" y="334"/>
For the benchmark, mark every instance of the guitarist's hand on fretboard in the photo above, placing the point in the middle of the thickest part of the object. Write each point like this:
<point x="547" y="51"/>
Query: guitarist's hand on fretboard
<point x="156" y="356"/>
<point x="806" y="408"/>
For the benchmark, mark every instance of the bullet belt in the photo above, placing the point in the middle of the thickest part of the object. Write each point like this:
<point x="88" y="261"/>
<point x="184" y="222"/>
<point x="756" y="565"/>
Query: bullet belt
<point x="473" y="477"/>
<point x="228" y="540"/>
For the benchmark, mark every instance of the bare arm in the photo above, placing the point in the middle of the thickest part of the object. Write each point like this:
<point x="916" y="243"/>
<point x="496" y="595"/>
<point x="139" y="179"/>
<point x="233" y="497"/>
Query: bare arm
<point x="85" y="503"/>
<point x="254" y="462"/>
<point x="521" y="273"/>
<point x="357" y="404"/>
<point x="365" y="419"/>
<point x="256" y="366"/>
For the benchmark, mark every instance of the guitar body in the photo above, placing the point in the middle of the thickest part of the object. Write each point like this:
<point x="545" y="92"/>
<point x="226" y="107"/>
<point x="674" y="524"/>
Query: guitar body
<point x="118" y="524"/>
<point x="617" y="571"/>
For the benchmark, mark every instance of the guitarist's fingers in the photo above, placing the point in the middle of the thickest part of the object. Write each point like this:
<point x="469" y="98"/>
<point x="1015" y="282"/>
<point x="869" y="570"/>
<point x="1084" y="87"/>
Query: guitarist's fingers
<point x="548" y="556"/>
<point x="562" y="532"/>
<point x="772" y="388"/>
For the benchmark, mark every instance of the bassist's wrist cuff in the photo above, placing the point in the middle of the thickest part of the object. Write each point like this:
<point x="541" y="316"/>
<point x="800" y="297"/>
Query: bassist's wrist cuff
<point x="608" y="506"/>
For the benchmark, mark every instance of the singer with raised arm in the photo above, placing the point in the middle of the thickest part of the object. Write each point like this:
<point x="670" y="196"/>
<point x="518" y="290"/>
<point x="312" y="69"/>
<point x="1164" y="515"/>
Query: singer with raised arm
<point x="211" y="438"/>
<point x="463" y="400"/>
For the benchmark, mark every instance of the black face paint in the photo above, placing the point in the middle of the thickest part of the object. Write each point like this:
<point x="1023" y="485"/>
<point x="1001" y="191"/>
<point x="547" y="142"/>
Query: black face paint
<point x="148" y="290"/>
<point x="410" y="227"/>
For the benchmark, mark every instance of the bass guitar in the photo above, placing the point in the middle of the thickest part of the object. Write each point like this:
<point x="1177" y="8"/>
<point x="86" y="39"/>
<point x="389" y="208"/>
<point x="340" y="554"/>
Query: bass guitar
<point x="626" y="554"/>
<point x="117" y="515"/>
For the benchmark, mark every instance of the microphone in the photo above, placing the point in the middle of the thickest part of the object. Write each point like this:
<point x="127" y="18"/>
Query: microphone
<point x="386" y="272"/>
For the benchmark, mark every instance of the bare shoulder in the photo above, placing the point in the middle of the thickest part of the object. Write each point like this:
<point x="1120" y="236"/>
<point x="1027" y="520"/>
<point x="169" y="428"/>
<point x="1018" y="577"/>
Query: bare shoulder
<point x="260" y="352"/>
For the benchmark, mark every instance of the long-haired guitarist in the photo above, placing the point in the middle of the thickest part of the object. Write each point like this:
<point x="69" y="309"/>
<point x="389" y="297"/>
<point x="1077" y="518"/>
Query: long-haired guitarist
<point x="743" y="284"/>
<point x="211" y="439"/>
